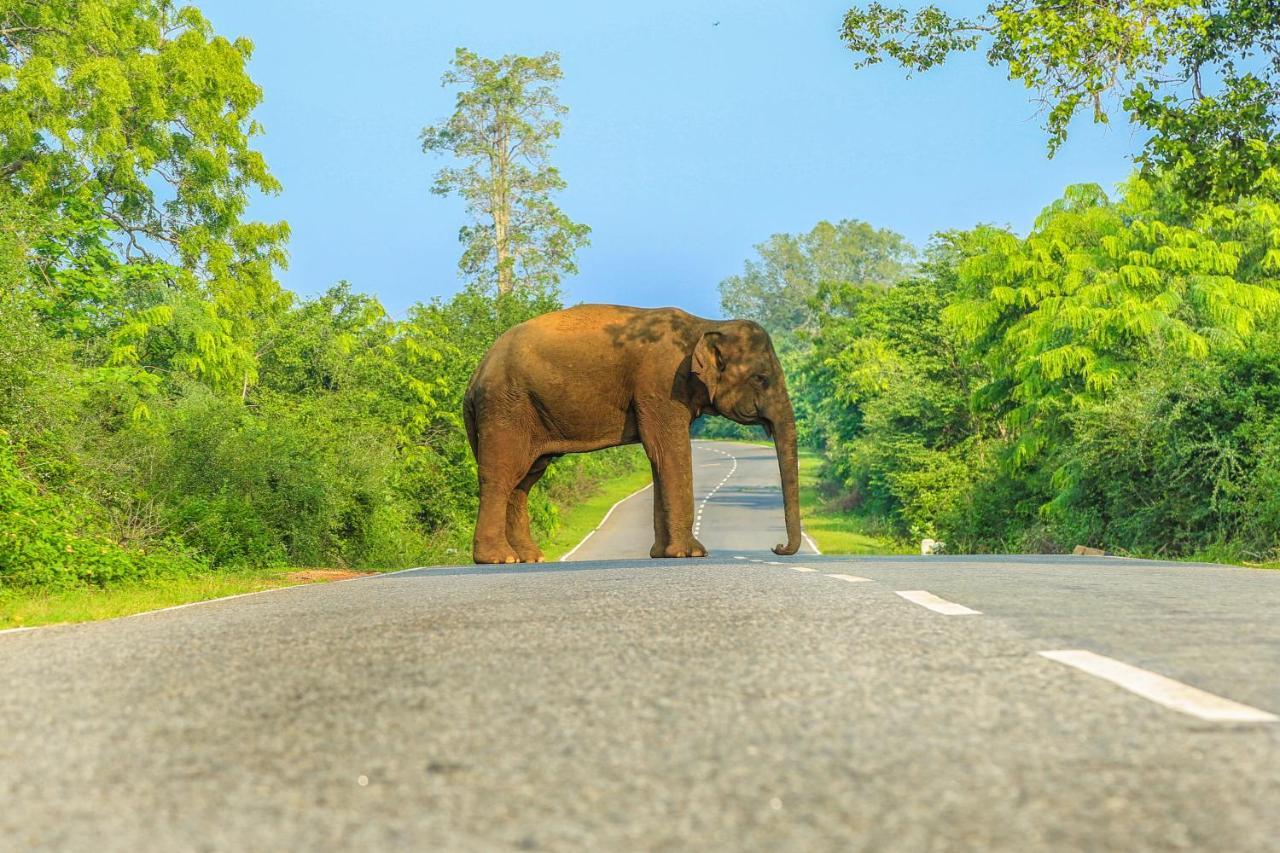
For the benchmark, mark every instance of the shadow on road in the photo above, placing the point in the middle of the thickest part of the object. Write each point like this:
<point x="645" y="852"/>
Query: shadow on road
<point x="539" y="568"/>
<point x="740" y="498"/>
<point x="725" y="559"/>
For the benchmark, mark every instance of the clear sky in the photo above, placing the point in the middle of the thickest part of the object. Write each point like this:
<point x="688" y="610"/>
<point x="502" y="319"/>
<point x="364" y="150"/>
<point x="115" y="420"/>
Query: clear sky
<point x="686" y="143"/>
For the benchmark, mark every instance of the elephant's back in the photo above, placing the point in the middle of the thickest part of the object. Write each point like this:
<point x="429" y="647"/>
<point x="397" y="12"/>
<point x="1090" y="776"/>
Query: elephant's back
<point x="565" y="338"/>
<point x="607" y="325"/>
<point x="585" y="342"/>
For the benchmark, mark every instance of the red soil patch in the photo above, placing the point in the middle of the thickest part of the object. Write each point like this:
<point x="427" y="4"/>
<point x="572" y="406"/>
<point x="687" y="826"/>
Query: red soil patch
<point x="321" y="575"/>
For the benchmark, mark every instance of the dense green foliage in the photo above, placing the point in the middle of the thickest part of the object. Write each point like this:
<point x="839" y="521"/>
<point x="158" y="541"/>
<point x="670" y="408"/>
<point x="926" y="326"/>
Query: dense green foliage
<point x="781" y="287"/>
<point x="1201" y="76"/>
<point x="349" y="449"/>
<point x="1112" y="377"/>
<point x="165" y="407"/>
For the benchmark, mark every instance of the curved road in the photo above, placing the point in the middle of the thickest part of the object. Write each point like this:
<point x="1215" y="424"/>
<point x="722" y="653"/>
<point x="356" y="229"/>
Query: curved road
<point x="742" y="702"/>
<point x="737" y="501"/>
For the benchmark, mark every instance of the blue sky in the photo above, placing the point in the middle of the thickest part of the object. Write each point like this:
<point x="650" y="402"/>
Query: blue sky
<point x="685" y="145"/>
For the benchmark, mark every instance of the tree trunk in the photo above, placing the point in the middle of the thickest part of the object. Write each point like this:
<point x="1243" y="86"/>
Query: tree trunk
<point x="502" y="215"/>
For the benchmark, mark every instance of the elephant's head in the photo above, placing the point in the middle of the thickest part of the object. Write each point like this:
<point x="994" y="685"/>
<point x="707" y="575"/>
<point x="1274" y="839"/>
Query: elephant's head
<point x="743" y="377"/>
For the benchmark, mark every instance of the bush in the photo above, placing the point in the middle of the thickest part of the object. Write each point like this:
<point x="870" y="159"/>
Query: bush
<point x="46" y="542"/>
<point x="1182" y="460"/>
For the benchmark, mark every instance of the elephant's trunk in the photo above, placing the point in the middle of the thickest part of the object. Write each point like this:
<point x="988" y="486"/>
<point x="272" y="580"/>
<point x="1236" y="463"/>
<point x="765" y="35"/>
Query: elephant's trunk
<point x="784" y="442"/>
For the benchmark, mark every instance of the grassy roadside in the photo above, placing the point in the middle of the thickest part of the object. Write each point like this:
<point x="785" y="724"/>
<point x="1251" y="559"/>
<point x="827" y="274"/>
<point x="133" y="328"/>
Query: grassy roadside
<point x="580" y="519"/>
<point x="835" y="532"/>
<point x="28" y="608"/>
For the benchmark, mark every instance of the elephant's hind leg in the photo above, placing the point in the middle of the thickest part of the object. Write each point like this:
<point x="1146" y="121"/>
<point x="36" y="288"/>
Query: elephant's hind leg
<point x="519" y="536"/>
<point x="502" y="464"/>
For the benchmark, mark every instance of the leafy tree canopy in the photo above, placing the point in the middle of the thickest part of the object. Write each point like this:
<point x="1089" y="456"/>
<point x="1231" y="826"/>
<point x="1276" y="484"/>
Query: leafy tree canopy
<point x="126" y="126"/>
<point x="1202" y="75"/>
<point x="777" y="288"/>
<point x="505" y="121"/>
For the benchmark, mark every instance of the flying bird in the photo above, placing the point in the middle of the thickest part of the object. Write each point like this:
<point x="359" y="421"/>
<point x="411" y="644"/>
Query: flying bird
<point x="716" y="24"/>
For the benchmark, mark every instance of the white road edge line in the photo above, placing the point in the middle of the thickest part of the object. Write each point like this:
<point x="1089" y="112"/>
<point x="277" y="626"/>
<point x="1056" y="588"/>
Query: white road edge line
<point x="801" y="569"/>
<point x="937" y="605"/>
<point x="1160" y="689"/>
<point x="850" y="578"/>
<point x="593" y="530"/>
<point x="812" y="544"/>
<point x="210" y="601"/>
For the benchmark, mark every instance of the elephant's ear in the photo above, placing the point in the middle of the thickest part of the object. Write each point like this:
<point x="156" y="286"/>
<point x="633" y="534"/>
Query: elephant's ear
<point x="707" y="362"/>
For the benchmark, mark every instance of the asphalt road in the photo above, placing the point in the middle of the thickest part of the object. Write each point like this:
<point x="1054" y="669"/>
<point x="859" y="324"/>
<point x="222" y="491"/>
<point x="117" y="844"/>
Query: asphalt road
<point x="731" y="703"/>
<point x="737" y="501"/>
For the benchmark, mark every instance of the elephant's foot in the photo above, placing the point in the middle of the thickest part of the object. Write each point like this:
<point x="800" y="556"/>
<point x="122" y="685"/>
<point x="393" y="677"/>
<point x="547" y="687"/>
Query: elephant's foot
<point x="501" y="553"/>
<point x="529" y="553"/>
<point x="691" y="548"/>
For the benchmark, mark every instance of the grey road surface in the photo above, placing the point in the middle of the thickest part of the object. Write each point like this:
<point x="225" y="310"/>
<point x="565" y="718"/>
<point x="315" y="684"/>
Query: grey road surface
<point x="732" y="703"/>
<point x="737" y="497"/>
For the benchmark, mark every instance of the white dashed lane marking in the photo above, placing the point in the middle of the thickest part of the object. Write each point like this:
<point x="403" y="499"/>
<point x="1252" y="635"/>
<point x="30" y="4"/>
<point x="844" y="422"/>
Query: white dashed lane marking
<point x="1152" y="686"/>
<point x="697" y="519"/>
<point x="837" y="576"/>
<point x="937" y="605"/>
<point x="1160" y="689"/>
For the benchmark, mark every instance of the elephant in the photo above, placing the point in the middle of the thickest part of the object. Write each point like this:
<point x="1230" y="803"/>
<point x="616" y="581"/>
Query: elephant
<point x="596" y="376"/>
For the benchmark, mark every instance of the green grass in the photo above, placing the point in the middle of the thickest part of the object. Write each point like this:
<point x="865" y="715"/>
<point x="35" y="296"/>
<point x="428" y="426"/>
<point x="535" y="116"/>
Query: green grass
<point x="835" y="532"/>
<point x="27" y="608"/>
<point x="579" y="520"/>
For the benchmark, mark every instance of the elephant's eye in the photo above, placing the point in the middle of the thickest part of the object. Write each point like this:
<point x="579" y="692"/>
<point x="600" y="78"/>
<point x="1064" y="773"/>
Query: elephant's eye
<point x="761" y="380"/>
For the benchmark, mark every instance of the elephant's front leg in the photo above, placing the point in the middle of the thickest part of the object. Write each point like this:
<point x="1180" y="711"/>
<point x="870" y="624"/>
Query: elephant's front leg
<point x="671" y="455"/>
<point x="661" y="538"/>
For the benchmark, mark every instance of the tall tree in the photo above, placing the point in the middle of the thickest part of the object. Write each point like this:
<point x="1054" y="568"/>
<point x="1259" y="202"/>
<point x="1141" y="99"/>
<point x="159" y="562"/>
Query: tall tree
<point x="778" y="288"/>
<point x="1202" y="75"/>
<point x="505" y="121"/>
